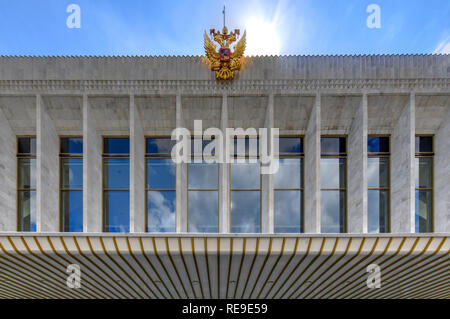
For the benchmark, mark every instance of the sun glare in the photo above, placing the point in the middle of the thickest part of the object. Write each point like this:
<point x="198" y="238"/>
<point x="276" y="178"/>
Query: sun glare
<point x="262" y="37"/>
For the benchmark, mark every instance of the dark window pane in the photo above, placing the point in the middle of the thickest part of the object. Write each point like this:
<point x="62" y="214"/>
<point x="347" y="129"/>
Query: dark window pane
<point x="378" y="144"/>
<point x="423" y="172"/>
<point x="203" y="176"/>
<point x="27" y="145"/>
<point x="203" y="211"/>
<point x="117" y="145"/>
<point x="245" y="176"/>
<point x="160" y="173"/>
<point x="333" y="145"/>
<point x="161" y="211"/>
<point x="72" y="211"/>
<point x="289" y="173"/>
<point x="287" y="212"/>
<point x="117" y="211"/>
<point x="72" y="145"/>
<point x="245" y="212"/>
<point x="160" y="146"/>
<point x="27" y="211"/>
<point x="378" y="211"/>
<point x="117" y="173"/>
<point x="72" y="173"/>
<point x="377" y="172"/>
<point x="27" y="173"/>
<point x="424" y="144"/>
<point x="332" y="211"/>
<point x="332" y="173"/>
<point x="290" y="145"/>
<point x="423" y="211"/>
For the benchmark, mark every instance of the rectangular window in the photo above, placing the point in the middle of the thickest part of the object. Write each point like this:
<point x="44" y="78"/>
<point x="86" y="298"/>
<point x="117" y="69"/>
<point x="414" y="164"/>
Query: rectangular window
<point x="116" y="184"/>
<point x="378" y="184"/>
<point x="245" y="188"/>
<point x="333" y="184"/>
<point x="160" y="185"/>
<point x="203" y="193"/>
<point x="288" y="186"/>
<point x="424" y="184"/>
<point x="71" y="197"/>
<point x="26" y="188"/>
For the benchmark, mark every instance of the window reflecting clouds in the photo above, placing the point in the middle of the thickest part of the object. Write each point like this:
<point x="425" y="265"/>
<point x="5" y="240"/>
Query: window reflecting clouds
<point x="116" y="183"/>
<point x="245" y="212"/>
<point x="378" y="209"/>
<point x="377" y="172"/>
<point x="203" y="176"/>
<point x="161" y="211"/>
<point x="160" y="173"/>
<point x="161" y="185"/>
<point x="333" y="183"/>
<point x="287" y="211"/>
<point x="203" y="211"/>
<point x="333" y="211"/>
<point x="332" y="172"/>
<point x="289" y="173"/>
<point x="245" y="176"/>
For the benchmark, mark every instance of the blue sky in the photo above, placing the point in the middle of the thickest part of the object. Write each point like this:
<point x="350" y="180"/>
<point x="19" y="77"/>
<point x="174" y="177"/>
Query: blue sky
<point x="150" y="27"/>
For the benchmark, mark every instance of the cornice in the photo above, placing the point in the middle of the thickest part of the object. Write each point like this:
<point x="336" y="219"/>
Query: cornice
<point x="212" y="86"/>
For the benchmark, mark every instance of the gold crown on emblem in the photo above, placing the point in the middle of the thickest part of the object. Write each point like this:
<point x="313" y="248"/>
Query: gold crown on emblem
<point x="224" y="61"/>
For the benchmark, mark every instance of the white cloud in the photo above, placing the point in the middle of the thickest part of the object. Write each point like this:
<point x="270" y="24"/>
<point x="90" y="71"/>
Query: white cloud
<point x="443" y="47"/>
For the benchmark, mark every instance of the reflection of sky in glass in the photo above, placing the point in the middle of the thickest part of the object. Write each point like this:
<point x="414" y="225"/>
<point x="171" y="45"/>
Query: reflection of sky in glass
<point x="331" y="203"/>
<point x="245" y="212"/>
<point x="27" y="210"/>
<point x="289" y="173"/>
<point x="378" y="144"/>
<point x="161" y="211"/>
<point x="72" y="145"/>
<point x="27" y="173"/>
<point x="287" y="211"/>
<point x="290" y="145"/>
<point x="332" y="145"/>
<point x="117" y="173"/>
<point x="423" y="211"/>
<point x="72" y="173"/>
<point x="203" y="176"/>
<point x="118" y="208"/>
<point x="203" y="211"/>
<point x="117" y="145"/>
<point x="377" y="172"/>
<point x="72" y="205"/>
<point x="332" y="172"/>
<point x="248" y="146"/>
<point x="245" y="176"/>
<point x="160" y="145"/>
<point x="423" y="171"/>
<point x="378" y="208"/>
<point x="160" y="173"/>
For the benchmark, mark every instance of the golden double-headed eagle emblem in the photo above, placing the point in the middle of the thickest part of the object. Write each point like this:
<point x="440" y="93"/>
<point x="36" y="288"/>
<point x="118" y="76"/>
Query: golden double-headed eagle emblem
<point x="224" y="61"/>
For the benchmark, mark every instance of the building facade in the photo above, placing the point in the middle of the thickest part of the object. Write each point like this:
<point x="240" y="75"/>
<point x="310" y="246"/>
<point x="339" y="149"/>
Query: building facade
<point x="87" y="178"/>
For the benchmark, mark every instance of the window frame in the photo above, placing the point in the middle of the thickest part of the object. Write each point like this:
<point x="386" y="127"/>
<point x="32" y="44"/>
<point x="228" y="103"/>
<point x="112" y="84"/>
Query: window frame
<point x="106" y="156"/>
<point x="194" y="156"/>
<point x="388" y="189"/>
<point x="20" y="156"/>
<point x="301" y="156"/>
<point x="62" y="157"/>
<point x="426" y="155"/>
<point x="147" y="189"/>
<point x="337" y="155"/>
<point x="234" y="157"/>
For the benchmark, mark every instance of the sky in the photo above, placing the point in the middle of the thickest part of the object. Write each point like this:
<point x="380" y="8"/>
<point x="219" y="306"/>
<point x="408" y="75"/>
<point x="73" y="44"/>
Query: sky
<point x="274" y="27"/>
